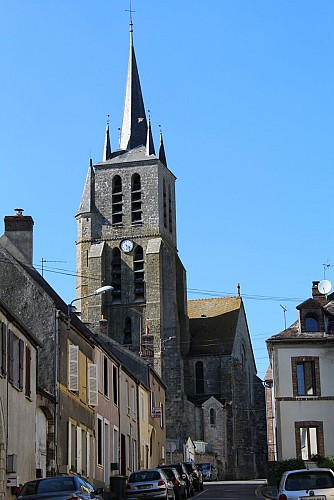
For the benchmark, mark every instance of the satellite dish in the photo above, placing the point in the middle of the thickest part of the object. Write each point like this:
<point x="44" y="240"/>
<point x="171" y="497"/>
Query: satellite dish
<point x="324" y="286"/>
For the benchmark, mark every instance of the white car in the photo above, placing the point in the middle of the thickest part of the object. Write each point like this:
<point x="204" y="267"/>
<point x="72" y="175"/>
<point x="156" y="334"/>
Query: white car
<point x="307" y="484"/>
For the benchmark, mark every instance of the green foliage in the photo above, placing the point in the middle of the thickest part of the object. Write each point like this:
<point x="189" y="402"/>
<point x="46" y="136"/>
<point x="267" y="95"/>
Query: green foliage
<point x="324" y="461"/>
<point x="284" y="465"/>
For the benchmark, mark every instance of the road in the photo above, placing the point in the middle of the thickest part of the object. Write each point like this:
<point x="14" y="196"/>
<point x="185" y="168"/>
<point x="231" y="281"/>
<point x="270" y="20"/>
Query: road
<point x="230" y="490"/>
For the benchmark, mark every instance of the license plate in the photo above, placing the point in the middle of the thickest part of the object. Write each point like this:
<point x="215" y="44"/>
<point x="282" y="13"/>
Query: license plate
<point x="145" y="486"/>
<point x="321" y="497"/>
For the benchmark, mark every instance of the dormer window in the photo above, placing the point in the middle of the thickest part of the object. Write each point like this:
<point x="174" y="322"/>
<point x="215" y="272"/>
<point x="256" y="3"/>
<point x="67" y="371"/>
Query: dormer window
<point x="311" y="324"/>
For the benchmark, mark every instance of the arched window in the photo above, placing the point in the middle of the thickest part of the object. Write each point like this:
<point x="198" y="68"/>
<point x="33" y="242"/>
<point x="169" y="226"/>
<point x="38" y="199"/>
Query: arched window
<point x="212" y="416"/>
<point x="127" y="331"/>
<point x="136" y="200"/>
<point x="138" y="271"/>
<point x="116" y="280"/>
<point x="311" y="324"/>
<point x="117" y="201"/>
<point x="199" y="376"/>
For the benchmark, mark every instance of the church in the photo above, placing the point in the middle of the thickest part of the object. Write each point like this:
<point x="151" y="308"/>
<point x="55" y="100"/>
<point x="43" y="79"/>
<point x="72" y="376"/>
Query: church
<point x="127" y="238"/>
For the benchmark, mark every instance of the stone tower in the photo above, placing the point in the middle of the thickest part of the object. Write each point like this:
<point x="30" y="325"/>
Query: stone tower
<point x="127" y="238"/>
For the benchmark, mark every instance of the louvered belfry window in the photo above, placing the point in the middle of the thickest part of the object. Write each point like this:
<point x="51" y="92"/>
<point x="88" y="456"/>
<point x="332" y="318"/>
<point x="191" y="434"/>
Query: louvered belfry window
<point x="117" y="201"/>
<point x="136" y="200"/>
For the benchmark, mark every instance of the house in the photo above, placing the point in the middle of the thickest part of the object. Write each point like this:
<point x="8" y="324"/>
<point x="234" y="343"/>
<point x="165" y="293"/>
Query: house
<point x="18" y="366"/>
<point x="301" y="395"/>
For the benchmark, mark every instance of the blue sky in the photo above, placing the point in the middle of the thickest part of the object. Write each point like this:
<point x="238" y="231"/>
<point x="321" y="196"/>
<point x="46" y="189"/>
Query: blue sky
<point x="243" y="90"/>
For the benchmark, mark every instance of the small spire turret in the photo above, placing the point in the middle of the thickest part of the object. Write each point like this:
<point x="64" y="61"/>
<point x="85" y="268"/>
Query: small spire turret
<point x="107" y="147"/>
<point x="162" y="154"/>
<point x="149" y="139"/>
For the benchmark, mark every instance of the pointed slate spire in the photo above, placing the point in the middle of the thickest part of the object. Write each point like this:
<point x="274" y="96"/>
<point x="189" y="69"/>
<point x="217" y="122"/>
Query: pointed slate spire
<point x="134" y="124"/>
<point x="162" y="154"/>
<point x="149" y="140"/>
<point x="87" y="204"/>
<point x="107" y="148"/>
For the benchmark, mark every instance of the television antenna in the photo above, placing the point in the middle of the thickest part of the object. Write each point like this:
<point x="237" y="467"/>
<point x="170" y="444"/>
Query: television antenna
<point x="43" y="260"/>
<point x="284" y="312"/>
<point x="326" y="265"/>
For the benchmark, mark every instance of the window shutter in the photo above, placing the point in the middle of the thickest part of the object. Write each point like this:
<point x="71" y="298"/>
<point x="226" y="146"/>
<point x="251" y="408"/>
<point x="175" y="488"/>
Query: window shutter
<point x="3" y="349"/>
<point x="21" y="363"/>
<point x="28" y="373"/>
<point x="92" y="384"/>
<point x="73" y="369"/>
<point x="10" y="356"/>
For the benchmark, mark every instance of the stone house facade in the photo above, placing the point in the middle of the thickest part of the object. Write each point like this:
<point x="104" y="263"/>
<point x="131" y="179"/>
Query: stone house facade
<point x="301" y="399"/>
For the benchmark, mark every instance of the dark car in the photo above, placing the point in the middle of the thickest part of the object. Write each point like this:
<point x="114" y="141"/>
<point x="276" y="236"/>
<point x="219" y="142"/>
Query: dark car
<point x="188" y="478"/>
<point x="180" y="487"/>
<point x="196" y="473"/>
<point x="210" y="473"/>
<point x="59" y="488"/>
<point x="149" y="484"/>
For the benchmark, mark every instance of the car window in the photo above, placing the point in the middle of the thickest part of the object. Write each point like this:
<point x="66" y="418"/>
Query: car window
<point x="56" y="484"/>
<point x="309" y="480"/>
<point x="29" y="488"/>
<point x="137" y="477"/>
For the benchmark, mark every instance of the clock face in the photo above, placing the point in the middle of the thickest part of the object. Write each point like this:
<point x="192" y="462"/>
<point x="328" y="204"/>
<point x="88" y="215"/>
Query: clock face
<point x="126" y="245"/>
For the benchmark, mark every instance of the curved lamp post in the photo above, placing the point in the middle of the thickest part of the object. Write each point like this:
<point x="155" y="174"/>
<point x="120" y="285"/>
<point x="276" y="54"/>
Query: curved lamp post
<point x="99" y="291"/>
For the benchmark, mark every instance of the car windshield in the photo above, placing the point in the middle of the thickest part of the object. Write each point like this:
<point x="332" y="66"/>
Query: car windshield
<point x="169" y="473"/>
<point x="205" y="466"/>
<point x="309" y="480"/>
<point x="146" y="475"/>
<point x="48" y="485"/>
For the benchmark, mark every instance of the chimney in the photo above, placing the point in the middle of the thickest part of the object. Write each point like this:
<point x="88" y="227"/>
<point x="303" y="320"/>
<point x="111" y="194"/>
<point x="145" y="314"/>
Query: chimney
<point x="19" y="230"/>
<point x="316" y="295"/>
<point x="104" y="325"/>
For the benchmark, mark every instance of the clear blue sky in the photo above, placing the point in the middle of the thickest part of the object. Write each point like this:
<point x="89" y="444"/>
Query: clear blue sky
<point x="243" y="90"/>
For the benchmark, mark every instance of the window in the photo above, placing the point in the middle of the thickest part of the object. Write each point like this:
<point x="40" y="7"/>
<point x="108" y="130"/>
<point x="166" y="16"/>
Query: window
<point x="170" y="212"/>
<point x="199" y="375"/>
<point x="28" y="372"/>
<point x="127" y="331"/>
<point x="133" y="402"/>
<point x="73" y="367"/>
<point x="105" y="377"/>
<point x="305" y="376"/>
<point x="311" y="324"/>
<point x="115" y="384"/>
<point x="117" y="201"/>
<point x="3" y="370"/>
<point x="136" y="200"/>
<point x="138" y="270"/>
<point x="116" y="274"/>
<point x="99" y="443"/>
<point x="15" y="360"/>
<point x="212" y="414"/>
<point x="92" y="385"/>
<point x="309" y="439"/>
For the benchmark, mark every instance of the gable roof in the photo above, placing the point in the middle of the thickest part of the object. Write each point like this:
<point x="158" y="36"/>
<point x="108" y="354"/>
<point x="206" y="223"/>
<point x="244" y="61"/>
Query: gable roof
<point x="213" y="323"/>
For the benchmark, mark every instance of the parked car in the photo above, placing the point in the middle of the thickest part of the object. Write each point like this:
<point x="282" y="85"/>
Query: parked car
<point x="149" y="484"/>
<point x="59" y="488"/>
<point x="196" y="474"/>
<point x="180" y="487"/>
<point x="304" y="484"/>
<point x="210" y="473"/>
<point x="188" y="478"/>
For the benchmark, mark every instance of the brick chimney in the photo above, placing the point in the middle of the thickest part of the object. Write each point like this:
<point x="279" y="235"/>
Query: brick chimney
<point x="316" y="295"/>
<point x="19" y="230"/>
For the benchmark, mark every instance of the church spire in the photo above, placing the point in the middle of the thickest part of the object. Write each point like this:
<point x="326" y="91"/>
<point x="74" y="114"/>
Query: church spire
<point x="87" y="204"/>
<point x="149" y="140"/>
<point x="107" y="148"/>
<point x="162" y="154"/>
<point x="134" y="124"/>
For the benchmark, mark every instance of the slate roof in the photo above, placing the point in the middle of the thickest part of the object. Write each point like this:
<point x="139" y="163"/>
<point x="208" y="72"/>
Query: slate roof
<point x="213" y="324"/>
<point x="293" y="334"/>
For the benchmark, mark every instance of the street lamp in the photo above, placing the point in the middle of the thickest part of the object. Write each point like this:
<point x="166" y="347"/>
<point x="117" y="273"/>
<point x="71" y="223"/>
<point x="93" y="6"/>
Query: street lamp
<point x="99" y="291"/>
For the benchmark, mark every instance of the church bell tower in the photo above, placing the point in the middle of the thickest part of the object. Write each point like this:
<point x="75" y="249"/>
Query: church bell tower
<point x="127" y="239"/>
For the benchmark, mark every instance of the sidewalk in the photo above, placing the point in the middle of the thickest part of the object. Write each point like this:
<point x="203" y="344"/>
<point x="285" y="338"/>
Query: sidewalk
<point x="265" y="491"/>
